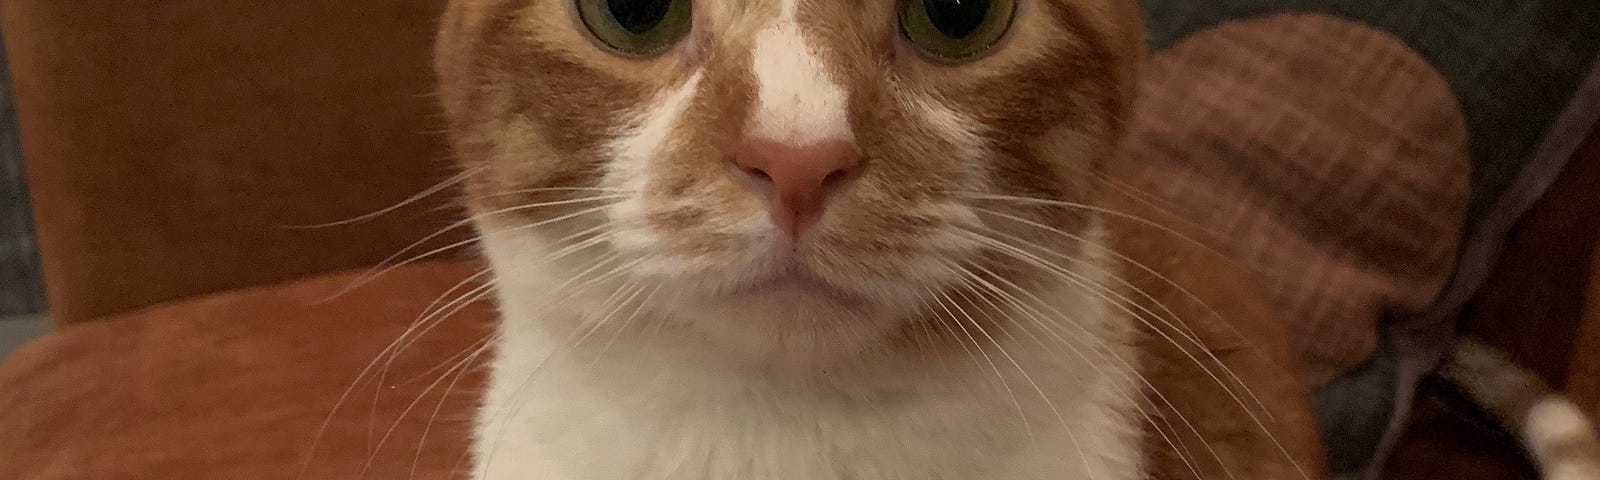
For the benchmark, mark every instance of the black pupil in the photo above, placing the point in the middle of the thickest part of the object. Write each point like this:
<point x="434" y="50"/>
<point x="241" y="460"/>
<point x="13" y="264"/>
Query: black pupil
<point x="639" y="16"/>
<point x="957" y="18"/>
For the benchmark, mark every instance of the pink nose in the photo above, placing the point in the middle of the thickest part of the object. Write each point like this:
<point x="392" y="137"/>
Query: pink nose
<point x="795" y="180"/>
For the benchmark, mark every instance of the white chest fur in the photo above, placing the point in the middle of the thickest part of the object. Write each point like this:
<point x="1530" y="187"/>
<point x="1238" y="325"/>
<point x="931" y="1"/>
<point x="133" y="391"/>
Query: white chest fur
<point x="665" y="406"/>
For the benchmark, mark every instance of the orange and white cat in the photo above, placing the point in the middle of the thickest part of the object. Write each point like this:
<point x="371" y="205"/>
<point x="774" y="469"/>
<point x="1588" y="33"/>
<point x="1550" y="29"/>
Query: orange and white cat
<point x="795" y="239"/>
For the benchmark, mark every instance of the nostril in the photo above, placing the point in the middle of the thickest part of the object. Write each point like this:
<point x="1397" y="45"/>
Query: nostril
<point x="752" y="177"/>
<point x="792" y="172"/>
<point x="837" y="177"/>
<point x="758" y="174"/>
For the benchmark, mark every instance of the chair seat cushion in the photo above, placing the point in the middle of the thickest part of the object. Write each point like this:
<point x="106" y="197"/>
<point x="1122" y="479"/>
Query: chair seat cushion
<point x="252" y="384"/>
<point x="237" y="386"/>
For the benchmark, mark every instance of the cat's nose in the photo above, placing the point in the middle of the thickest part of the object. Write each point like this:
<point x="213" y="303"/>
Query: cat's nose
<point x="795" y="180"/>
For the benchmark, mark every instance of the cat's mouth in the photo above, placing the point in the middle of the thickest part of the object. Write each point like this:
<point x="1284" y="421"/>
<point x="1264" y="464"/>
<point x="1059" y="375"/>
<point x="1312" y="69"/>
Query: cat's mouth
<point x="798" y="280"/>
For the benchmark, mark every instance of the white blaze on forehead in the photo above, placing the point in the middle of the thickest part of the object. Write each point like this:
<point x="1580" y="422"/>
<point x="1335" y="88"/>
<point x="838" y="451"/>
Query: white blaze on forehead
<point x="798" y="102"/>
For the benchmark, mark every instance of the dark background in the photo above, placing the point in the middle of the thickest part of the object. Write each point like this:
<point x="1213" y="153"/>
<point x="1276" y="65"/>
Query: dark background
<point x="21" y="284"/>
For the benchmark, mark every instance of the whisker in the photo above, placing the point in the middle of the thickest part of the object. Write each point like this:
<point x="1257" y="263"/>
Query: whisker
<point x="358" y="381"/>
<point x="629" y="290"/>
<point x="442" y="365"/>
<point x="1087" y="264"/>
<point x="526" y="191"/>
<point x="1021" y="414"/>
<point x="629" y="322"/>
<point x="434" y="320"/>
<point x="435" y="317"/>
<point x="1096" y="209"/>
<point x="1182" y="290"/>
<point x="430" y="191"/>
<point x="1175" y="323"/>
<point x="533" y="374"/>
<point x="1034" y="260"/>
<point x="380" y="271"/>
<point x="429" y="318"/>
<point x="1135" y="193"/>
<point x="1071" y="435"/>
<point x="373" y="454"/>
<point x="614" y="273"/>
<point x="558" y="255"/>
<point x="1105" y="352"/>
<point x="428" y="322"/>
<point x="1076" y="279"/>
<point x="483" y="346"/>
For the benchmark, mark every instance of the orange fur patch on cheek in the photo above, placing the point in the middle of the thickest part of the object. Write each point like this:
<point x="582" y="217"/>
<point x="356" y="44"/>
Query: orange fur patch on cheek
<point x="539" y="104"/>
<point x="1054" y="123"/>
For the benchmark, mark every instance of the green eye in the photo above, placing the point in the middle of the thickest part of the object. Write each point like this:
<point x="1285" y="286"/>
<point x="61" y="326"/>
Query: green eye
<point x="638" y="27"/>
<point x="956" y="30"/>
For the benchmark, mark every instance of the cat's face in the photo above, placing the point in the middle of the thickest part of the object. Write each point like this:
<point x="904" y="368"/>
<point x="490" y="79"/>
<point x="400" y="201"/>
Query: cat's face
<point x="783" y="173"/>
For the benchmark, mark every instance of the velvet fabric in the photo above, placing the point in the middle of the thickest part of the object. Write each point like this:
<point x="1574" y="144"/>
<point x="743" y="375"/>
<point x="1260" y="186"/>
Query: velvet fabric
<point x="173" y="146"/>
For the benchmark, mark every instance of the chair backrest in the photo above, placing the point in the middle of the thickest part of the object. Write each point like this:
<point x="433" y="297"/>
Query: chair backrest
<point x="172" y="145"/>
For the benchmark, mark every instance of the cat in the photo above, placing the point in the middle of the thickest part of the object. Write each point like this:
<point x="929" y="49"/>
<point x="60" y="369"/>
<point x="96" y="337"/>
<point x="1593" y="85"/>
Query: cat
<point x="801" y="239"/>
<point x="1558" y="436"/>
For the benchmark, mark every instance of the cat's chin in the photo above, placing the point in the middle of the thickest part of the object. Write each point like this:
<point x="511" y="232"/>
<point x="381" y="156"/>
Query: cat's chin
<point x="793" y="320"/>
<point x="801" y="287"/>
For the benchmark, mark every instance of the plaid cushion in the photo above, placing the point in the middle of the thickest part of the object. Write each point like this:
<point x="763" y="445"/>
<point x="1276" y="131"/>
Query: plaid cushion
<point x="1325" y="156"/>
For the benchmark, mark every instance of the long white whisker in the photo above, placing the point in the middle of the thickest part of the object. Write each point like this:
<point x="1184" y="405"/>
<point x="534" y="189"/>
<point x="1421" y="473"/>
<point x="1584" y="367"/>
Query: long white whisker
<point x="372" y="457"/>
<point x="629" y="290"/>
<point x="1175" y="324"/>
<point x="522" y="387"/>
<point x="436" y="318"/>
<point x="358" y="381"/>
<point x="430" y="318"/>
<point x="430" y="191"/>
<point x="483" y="346"/>
<point x="1096" y="209"/>
<point x="1105" y="352"/>
<point x="1071" y="435"/>
<point x="615" y="272"/>
<point x="385" y="266"/>
<point x="1212" y="312"/>
<point x="526" y="191"/>
<point x="629" y="322"/>
<point x="1226" y="388"/>
<point x="459" y="305"/>
<point x="944" y="303"/>
<point x="464" y="301"/>
<point x="1120" y="305"/>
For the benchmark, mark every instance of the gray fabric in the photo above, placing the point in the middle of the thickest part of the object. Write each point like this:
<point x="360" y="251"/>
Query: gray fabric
<point x="21" y="283"/>
<point x="1354" y="413"/>
<point x="18" y="331"/>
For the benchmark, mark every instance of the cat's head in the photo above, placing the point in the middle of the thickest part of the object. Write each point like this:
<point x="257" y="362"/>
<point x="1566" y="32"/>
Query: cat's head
<point x="784" y="174"/>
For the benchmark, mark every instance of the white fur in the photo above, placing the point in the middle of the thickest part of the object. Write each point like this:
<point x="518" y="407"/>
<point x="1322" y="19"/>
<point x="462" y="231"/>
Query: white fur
<point x="670" y="404"/>
<point x="798" y="101"/>
<point x="1554" y="425"/>
<point x="962" y="131"/>
<point x="633" y="150"/>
